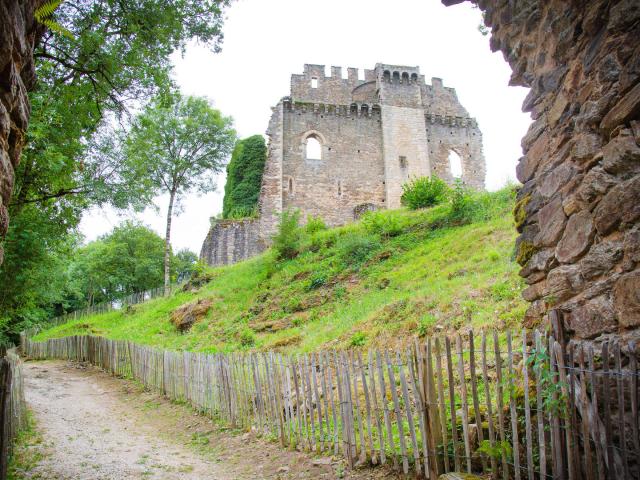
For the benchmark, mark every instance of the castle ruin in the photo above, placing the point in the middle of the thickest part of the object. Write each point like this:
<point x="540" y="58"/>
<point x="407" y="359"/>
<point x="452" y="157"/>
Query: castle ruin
<point x="339" y="147"/>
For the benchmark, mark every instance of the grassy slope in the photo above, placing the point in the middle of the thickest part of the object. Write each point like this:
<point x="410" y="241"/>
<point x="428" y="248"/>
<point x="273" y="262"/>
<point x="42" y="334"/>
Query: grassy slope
<point x="429" y="278"/>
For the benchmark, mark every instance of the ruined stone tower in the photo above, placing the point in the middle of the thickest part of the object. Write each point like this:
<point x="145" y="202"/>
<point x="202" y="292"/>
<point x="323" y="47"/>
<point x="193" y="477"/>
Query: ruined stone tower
<point x="339" y="147"/>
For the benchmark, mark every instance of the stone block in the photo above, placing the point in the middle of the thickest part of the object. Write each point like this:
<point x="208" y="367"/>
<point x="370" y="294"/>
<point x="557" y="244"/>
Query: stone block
<point x="627" y="108"/>
<point x="551" y="221"/>
<point x="621" y="156"/>
<point x="601" y="259"/>
<point x="591" y="319"/>
<point x="626" y="299"/>
<point x="620" y="204"/>
<point x="577" y="238"/>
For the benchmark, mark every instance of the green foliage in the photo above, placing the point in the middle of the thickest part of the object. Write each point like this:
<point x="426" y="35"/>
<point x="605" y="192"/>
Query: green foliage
<point x="175" y="146"/>
<point x="244" y="177"/>
<point x="462" y="204"/>
<point x="247" y="337"/>
<point x="44" y="14"/>
<point x="317" y="281"/>
<point x="125" y="261"/>
<point x="355" y="248"/>
<point x="286" y="242"/>
<point x="358" y="339"/>
<point x="433" y="270"/>
<point x="117" y="53"/>
<point x="386" y="223"/>
<point x="314" y="225"/>
<point x="423" y="192"/>
<point x="184" y="264"/>
<point x="501" y="447"/>
<point x="553" y="399"/>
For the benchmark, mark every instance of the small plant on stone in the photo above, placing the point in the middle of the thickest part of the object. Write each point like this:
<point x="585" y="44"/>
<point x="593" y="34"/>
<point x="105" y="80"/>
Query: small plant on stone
<point x="423" y="192"/>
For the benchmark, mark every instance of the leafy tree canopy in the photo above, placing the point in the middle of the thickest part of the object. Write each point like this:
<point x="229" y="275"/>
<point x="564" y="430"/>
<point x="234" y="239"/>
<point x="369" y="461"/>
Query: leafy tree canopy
<point x="244" y="177"/>
<point x="125" y="261"/>
<point x="177" y="145"/>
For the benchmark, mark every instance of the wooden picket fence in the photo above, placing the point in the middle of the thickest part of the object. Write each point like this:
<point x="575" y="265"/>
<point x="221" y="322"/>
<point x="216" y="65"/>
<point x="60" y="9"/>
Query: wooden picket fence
<point x="521" y="407"/>
<point x="12" y="406"/>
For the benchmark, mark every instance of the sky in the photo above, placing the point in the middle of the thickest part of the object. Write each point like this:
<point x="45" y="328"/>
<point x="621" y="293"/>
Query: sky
<point x="267" y="41"/>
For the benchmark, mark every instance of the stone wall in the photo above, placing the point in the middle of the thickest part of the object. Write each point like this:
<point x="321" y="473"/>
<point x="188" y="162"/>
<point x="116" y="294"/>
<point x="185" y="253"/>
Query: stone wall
<point x="231" y="241"/>
<point x="579" y="209"/>
<point x="18" y="35"/>
<point x="350" y="172"/>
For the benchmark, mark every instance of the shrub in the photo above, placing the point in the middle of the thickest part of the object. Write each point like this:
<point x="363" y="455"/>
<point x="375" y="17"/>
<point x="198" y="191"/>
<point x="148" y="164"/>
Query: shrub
<point x="423" y="192"/>
<point x="247" y="337"/>
<point x="314" y="224"/>
<point x="358" y="339"/>
<point x="462" y="207"/>
<point x="286" y="243"/>
<point x="354" y="249"/>
<point x="317" y="281"/>
<point x="385" y="223"/>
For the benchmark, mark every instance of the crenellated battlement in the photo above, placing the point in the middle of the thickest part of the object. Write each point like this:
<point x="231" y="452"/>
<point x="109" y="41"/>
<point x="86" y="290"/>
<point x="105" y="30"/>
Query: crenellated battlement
<point x="354" y="109"/>
<point x="451" y="121"/>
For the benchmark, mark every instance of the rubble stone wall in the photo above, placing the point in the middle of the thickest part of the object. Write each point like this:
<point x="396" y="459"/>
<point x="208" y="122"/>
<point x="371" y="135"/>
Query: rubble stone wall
<point x="231" y="241"/>
<point x="18" y="35"/>
<point x="578" y="213"/>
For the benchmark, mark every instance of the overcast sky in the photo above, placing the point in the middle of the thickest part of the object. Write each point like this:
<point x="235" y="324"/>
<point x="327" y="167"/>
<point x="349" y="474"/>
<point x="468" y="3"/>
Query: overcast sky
<point x="267" y="41"/>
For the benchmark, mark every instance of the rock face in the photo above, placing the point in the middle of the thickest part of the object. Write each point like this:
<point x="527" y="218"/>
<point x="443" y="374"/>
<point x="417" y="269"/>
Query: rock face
<point x="18" y="35"/>
<point x="581" y="169"/>
<point x="185" y="316"/>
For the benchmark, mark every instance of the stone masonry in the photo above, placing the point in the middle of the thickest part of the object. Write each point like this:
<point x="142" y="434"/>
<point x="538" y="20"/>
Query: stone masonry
<point x="18" y="35"/>
<point x="374" y="134"/>
<point x="578" y="212"/>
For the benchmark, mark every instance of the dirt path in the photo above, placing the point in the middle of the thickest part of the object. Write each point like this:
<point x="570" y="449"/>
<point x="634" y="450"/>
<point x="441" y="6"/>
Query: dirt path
<point x="97" y="427"/>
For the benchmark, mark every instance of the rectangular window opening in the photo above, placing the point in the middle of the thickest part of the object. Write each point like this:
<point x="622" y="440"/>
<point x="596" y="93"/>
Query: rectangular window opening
<point x="314" y="82"/>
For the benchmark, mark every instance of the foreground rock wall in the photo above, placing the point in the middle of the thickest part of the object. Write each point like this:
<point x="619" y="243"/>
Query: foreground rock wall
<point x="231" y="241"/>
<point x="578" y="212"/>
<point x="18" y="35"/>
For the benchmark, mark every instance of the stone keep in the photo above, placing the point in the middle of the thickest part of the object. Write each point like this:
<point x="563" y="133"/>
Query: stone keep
<point x="371" y="134"/>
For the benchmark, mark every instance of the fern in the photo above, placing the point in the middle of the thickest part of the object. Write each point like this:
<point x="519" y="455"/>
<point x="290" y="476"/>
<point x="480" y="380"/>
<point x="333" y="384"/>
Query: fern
<point x="44" y="13"/>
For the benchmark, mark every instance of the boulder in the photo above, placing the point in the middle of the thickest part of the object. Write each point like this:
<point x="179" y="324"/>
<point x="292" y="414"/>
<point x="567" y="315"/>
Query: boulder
<point x="592" y="319"/>
<point x="185" y="316"/>
<point x="551" y="221"/>
<point x="577" y="237"/>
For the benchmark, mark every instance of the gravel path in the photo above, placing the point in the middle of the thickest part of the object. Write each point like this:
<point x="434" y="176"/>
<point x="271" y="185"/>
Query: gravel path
<point x="94" y="426"/>
<point x="89" y="434"/>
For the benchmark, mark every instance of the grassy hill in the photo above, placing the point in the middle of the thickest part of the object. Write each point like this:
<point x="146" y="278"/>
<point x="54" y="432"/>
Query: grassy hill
<point x="382" y="281"/>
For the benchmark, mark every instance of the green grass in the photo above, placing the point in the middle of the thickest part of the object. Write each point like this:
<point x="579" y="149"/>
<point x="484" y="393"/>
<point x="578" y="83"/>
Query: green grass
<point x="396" y="275"/>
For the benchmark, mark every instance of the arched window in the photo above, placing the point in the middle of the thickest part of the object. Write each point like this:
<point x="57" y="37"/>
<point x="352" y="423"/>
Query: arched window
<point x="405" y="77"/>
<point x="387" y="76"/>
<point x="396" y="77"/>
<point x="313" y="148"/>
<point x="414" y="77"/>
<point x="290" y="186"/>
<point x="455" y="164"/>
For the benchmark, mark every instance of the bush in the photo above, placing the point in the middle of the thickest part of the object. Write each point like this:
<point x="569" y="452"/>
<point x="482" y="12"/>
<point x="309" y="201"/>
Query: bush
<point x="358" y="339"/>
<point x="286" y="243"/>
<point x="424" y="192"/>
<point x="355" y="249"/>
<point x="317" y="281"/>
<point x="247" y="337"/>
<point x="314" y="224"/>
<point x="463" y="208"/>
<point x="385" y="223"/>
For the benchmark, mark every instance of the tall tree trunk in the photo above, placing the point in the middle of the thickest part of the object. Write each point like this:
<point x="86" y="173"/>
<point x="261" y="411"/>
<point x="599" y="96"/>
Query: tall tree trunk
<point x="167" y="247"/>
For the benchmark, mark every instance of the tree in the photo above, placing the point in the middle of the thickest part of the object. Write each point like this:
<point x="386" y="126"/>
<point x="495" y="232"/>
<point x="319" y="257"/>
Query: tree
<point x="244" y="177"/>
<point x="125" y="261"/>
<point x="184" y="264"/>
<point x="177" y="145"/>
<point x="118" y="52"/>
